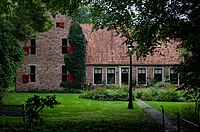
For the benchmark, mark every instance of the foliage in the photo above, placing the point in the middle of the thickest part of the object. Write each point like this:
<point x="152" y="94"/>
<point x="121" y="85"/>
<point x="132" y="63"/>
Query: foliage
<point x="35" y="105"/>
<point x="155" y="94"/>
<point x="19" y="20"/>
<point x="68" y="7"/>
<point x="108" y="94"/>
<point x="160" y="84"/>
<point x="152" y="82"/>
<point x="83" y="15"/>
<point x="76" y="62"/>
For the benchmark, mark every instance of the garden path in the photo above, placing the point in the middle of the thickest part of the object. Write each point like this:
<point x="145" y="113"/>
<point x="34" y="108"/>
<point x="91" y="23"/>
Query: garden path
<point x="157" y="115"/>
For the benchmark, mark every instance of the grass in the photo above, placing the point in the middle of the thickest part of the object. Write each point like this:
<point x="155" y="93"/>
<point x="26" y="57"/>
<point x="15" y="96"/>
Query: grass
<point x="75" y="114"/>
<point x="185" y="109"/>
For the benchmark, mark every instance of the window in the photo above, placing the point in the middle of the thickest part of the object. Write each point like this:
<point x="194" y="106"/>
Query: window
<point x="141" y="75"/>
<point x="33" y="46"/>
<point x="60" y="24"/>
<point x="32" y="74"/>
<point x="158" y="74"/>
<point x="64" y="74"/>
<point x="64" y="45"/>
<point x="124" y="75"/>
<point x="173" y="76"/>
<point x="110" y="75"/>
<point x="98" y="76"/>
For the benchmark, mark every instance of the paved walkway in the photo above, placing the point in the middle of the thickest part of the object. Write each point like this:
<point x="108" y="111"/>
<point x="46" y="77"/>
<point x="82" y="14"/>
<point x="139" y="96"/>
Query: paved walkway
<point x="157" y="115"/>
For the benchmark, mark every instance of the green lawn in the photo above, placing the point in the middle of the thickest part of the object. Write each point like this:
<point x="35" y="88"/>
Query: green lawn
<point x="75" y="114"/>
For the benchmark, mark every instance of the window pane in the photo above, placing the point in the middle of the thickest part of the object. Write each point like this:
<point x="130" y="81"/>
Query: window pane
<point x="32" y="69"/>
<point x="97" y="70"/>
<point x="141" y="75"/>
<point x="32" y="78"/>
<point x="98" y="76"/>
<point x="172" y="71"/>
<point x="64" y="42"/>
<point x="64" y="77"/>
<point x="57" y="24"/>
<point x="64" y="69"/>
<point x="64" y="49"/>
<point x="142" y="70"/>
<point x="158" y="74"/>
<point x="173" y="77"/>
<point x="64" y="74"/>
<point x="141" y="79"/>
<point x="33" y="46"/>
<point x="158" y="77"/>
<point x="110" y="70"/>
<point x="64" y="46"/>
<point x="124" y="70"/>
<point x="111" y="76"/>
<point x="158" y="71"/>
<point x="33" y="42"/>
<point x="33" y="50"/>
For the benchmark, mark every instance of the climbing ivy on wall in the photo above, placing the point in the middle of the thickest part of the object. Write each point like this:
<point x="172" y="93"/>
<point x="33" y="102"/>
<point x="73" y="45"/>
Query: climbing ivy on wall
<point x="75" y="60"/>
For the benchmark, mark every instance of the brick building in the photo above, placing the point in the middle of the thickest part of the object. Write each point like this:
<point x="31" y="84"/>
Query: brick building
<point x="106" y="60"/>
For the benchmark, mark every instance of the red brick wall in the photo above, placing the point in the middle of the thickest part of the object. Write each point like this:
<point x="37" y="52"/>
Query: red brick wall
<point x="48" y="59"/>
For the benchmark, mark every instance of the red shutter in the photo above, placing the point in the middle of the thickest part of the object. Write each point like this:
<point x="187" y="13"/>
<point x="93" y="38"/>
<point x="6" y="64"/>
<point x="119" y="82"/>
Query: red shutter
<point x="26" y="50"/>
<point x="25" y="78"/>
<point x="62" y="24"/>
<point x="70" y="78"/>
<point x="69" y="50"/>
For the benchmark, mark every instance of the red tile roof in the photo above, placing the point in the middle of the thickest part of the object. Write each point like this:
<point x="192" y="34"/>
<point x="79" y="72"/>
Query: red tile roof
<point x="104" y="47"/>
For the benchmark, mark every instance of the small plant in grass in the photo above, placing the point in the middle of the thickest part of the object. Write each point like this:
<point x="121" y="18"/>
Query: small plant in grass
<point x="35" y="105"/>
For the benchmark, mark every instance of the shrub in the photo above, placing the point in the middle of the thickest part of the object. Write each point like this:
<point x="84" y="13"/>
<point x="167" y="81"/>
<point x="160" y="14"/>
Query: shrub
<point x="111" y="94"/>
<point x="76" y="62"/>
<point x="157" y="94"/>
<point x="160" y="84"/>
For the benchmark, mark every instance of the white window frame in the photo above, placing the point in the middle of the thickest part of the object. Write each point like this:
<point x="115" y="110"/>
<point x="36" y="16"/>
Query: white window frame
<point x="35" y="47"/>
<point x="107" y="73"/>
<point x="120" y="83"/>
<point x="93" y="75"/>
<point x="61" y="72"/>
<point x="137" y="76"/>
<point x="170" y="74"/>
<point x="162" y="72"/>
<point x="62" y="45"/>
<point x="29" y="72"/>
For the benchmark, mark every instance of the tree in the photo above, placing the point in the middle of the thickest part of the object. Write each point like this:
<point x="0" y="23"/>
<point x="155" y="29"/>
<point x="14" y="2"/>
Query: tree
<point x="19" y="20"/>
<point x="75" y="60"/>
